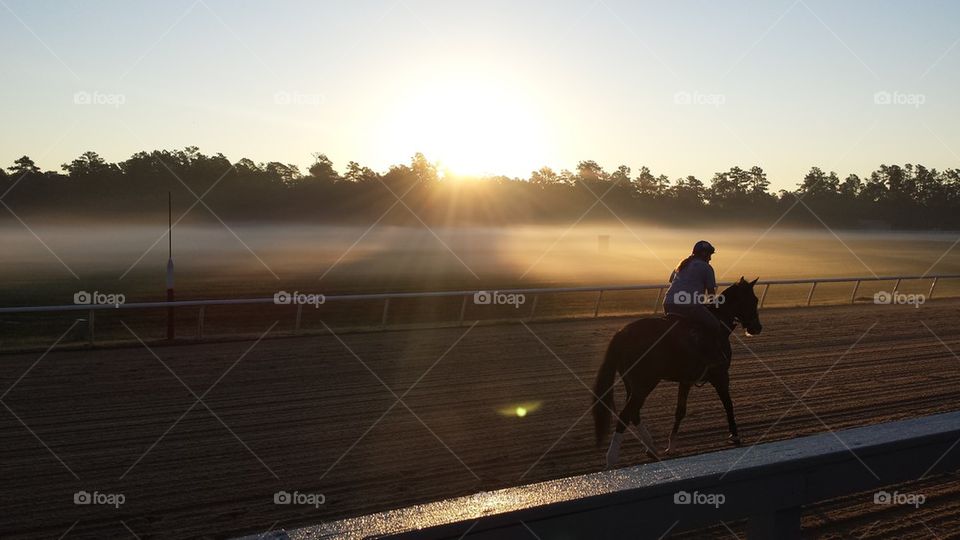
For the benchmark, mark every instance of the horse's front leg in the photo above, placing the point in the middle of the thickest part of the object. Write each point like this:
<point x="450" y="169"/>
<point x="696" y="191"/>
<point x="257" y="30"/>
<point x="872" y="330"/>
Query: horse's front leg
<point x="682" y="393"/>
<point x="721" y="383"/>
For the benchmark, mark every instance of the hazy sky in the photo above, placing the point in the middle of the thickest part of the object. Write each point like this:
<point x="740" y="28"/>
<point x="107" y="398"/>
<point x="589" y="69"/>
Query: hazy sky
<point x="488" y="86"/>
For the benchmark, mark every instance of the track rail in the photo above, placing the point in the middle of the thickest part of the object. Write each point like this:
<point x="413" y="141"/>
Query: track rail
<point x="466" y="295"/>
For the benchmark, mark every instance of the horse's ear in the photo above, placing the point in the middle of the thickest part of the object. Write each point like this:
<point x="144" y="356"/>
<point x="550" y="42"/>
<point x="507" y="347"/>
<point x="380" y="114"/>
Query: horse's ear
<point x="742" y="280"/>
<point x="754" y="282"/>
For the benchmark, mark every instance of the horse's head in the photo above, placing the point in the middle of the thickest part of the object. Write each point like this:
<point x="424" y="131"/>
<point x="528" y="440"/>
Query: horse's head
<point x="741" y="303"/>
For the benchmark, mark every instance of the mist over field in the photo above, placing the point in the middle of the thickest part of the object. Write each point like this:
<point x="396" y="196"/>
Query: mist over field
<point x="235" y="261"/>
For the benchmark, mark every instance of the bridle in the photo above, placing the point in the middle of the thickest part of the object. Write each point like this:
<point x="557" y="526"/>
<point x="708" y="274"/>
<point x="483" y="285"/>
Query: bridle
<point x="746" y="324"/>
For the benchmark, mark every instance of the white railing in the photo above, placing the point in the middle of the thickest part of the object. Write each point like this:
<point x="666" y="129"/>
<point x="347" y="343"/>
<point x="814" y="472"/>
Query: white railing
<point x="467" y="295"/>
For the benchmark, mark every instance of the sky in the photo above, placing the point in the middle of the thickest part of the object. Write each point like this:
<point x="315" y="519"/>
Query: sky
<point x="504" y="87"/>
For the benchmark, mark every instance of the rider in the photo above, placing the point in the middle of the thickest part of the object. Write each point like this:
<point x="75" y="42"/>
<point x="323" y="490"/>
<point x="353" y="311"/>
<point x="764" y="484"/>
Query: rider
<point x="686" y="297"/>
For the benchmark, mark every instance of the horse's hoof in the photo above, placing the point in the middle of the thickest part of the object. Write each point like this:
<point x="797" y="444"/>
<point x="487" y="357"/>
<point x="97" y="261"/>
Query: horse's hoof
<point x="735" y="440"/>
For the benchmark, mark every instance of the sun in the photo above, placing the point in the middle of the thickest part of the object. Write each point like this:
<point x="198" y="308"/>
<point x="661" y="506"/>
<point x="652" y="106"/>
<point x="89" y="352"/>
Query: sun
<point x="471" y="126"/>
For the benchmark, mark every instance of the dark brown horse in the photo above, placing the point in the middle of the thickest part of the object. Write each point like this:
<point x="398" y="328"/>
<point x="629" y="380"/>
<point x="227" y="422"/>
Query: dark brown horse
<point x="650" y="350"/>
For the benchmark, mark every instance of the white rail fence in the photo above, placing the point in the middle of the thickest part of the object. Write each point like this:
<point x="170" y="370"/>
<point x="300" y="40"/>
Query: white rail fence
<point x="468" y="296"/>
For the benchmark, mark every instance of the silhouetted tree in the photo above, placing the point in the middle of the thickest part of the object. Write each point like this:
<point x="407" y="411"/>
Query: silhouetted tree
<point x="280" y="173"/>
<point x="730" y="188"/>
<point x="908" y="196"/>
<point x="423" y="169"/>
<point x="357" y="173"/>
<point x="322" y="169"/>
<point x="621" y="176"/>
<point x="544" y="177"/>
<point x="819" y="185"/>
<point x="24" y="165"/>
<point x="646" y="185"/>
<point x="851" y="187"/>
<point x="590" y="172"/>
<point x="690" y="191"/>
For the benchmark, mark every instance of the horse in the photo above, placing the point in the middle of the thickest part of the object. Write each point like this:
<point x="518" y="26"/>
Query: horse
<point x="653" y="349"/>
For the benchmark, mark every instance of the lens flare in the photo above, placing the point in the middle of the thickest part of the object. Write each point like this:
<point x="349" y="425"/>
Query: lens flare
<point x="519" y="410"/>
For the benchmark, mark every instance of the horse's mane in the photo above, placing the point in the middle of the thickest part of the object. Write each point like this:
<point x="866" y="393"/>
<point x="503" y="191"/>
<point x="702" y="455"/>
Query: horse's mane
<point x="733" y="292"/>
<point x="733" y="288"/>
<point x="740" y="285"/>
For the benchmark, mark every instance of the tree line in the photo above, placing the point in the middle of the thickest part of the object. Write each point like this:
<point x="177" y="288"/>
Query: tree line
<point x="903" y="197"/>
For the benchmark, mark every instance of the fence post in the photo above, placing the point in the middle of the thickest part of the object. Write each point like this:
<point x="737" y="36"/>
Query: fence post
<point x="763" y="295"/>
<point x="656" y="303"/>
<point x="596" y="308"/>
<point x="463" y="308"/>
<point x="386" y="309"/>
<point x="853" y="296"/>
<point x="200" y="323"/>
<point x="171" y="320"/>
<point x="810" y="296"/>
<point x="932" y="285"/>
<point x="296" y="326"/>
<point x="91" y="335"/>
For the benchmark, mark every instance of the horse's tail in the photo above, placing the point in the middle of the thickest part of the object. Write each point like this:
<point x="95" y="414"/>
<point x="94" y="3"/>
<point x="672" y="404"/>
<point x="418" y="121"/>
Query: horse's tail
<point x="603" y="392"/>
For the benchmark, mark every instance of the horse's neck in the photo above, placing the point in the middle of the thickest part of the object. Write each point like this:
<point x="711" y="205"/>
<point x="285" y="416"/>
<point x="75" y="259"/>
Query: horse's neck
<point x="723" y="313"/>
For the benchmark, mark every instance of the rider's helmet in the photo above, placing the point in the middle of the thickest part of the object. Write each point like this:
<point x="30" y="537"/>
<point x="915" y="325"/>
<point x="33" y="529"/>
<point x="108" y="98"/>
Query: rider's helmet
<point x="703" y="247"/>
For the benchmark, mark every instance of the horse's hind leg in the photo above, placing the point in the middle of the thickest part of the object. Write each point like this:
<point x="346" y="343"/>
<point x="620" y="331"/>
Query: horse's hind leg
<point x="644" y="433"/>
<point x="626" y="414"/>
<point x="631" y="413"/>
<point x="682" y="393"/>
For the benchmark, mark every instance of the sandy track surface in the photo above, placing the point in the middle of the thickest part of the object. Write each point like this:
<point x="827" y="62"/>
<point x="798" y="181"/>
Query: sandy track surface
<point x="321" y="415"/>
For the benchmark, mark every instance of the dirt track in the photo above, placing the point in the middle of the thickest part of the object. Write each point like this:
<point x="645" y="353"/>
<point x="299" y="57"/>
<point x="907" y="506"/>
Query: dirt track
<point x="305" y="414"/>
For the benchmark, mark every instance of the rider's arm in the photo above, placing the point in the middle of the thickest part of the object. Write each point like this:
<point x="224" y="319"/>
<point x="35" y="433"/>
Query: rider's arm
<point x="711" y="282"/>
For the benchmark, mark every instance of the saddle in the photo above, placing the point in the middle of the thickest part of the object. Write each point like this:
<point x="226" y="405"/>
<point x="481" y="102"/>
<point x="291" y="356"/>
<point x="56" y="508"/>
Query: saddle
<point x="692" y="337"/>
<point x="687" y="327"/>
